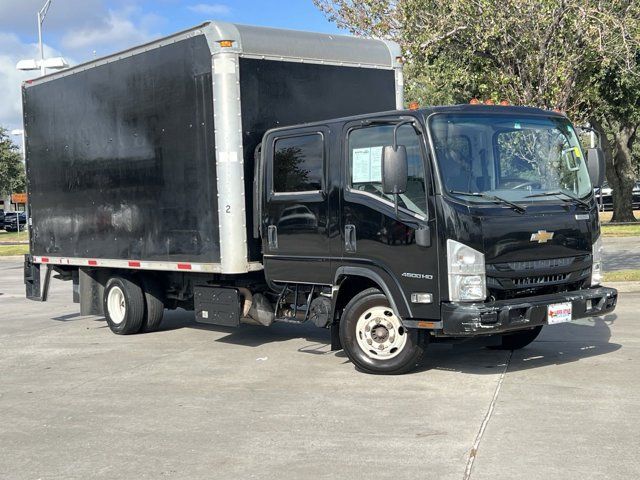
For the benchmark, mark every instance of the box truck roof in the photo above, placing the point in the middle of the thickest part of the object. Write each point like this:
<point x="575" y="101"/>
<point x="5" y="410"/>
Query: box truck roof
<point x="267" y="43"/>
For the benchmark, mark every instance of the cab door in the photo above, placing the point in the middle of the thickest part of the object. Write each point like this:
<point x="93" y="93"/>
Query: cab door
<point x="295" y="218"/>
<point x="374" y="235"/>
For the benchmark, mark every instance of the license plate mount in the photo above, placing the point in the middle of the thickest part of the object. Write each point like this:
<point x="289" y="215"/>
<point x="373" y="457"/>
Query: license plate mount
<point x="559" y="313"/>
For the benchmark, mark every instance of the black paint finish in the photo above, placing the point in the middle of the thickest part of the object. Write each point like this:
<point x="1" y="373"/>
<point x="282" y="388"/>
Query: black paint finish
<point x="120" y="159"/>
<point x="365" y="234"/>
<point x="276" y="94"/>
<point x="299" y="250"/>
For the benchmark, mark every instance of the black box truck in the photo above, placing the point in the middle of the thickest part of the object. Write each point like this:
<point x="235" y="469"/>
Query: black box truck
<point x="256" y="175"/>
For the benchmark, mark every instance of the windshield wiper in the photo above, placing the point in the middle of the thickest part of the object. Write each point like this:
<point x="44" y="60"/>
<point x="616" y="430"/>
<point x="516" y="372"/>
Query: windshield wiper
<point x="493" y="198"/>
<point x="559" y="194"/>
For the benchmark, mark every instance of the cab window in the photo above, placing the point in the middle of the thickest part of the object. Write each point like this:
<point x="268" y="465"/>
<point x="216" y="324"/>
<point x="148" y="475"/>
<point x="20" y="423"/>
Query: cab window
<point x="365" y="164"/>
<point x="298" y="164"/>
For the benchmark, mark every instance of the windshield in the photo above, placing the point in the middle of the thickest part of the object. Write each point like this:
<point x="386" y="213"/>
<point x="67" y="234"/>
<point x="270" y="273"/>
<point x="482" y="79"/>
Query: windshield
<point x="517" y="158"/>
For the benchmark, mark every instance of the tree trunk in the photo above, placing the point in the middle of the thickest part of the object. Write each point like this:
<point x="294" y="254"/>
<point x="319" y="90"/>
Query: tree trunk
<point x="620" y="171"/>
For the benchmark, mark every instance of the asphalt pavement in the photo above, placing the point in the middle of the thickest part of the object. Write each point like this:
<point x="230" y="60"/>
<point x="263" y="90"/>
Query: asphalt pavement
<point x="78" y="402"/>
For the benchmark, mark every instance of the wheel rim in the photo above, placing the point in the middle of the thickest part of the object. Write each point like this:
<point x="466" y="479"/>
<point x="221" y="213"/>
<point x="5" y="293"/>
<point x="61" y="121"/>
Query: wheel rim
<point x="116" y="305"/>
<point x="380" y="334"/>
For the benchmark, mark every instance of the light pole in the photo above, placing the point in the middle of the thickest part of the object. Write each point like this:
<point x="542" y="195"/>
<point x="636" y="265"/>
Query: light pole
<point x="41" y="14"/>
<point x="24" y="150"/>
<point x="55" y="63"/>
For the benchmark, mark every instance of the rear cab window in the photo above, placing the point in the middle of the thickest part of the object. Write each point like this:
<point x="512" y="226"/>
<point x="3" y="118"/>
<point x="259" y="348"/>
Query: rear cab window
<point x="298" y="163"/>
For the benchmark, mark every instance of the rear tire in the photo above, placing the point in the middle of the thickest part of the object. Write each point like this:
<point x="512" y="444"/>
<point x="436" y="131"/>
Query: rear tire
<point x="517" y="340"/>
<point x="123" y="305"/>
<point x="154" y="304"/>
<point x="375" y="340"/>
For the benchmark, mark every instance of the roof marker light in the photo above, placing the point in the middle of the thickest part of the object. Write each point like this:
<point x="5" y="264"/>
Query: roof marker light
<point x="225" y="43"/>
<point x="414" y="106"/>
<point x="489" y="102"/>
<point x="475" y="101"/>
<point x="504" y="103"/>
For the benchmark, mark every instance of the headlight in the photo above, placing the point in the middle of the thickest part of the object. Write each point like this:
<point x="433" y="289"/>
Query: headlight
<point x="596" y="270"/>
<point x="467" y="277"/>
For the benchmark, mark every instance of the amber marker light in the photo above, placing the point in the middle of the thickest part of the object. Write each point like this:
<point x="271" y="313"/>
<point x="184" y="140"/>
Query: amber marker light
<point x="504" y="103"/>
<point x="414" y="106"/>
<point x="474" y="101"/>
<point x="489" y="102"/>
<point x="426" y="325"/>
<point x="226" y="43"/>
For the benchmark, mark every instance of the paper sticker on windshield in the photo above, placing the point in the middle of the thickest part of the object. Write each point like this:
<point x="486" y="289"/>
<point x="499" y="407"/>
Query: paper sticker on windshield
<point x="577" y="152"/>
<point x="367" y="165"/>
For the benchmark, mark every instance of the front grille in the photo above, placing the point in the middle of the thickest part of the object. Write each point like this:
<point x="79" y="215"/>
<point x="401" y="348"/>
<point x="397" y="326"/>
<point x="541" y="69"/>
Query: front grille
<point x="544" y="264"/>
<point x="537" y="277"/>
<point x="539" y="280"/>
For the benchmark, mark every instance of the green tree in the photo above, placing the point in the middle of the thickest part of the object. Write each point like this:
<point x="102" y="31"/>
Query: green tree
<point x="616" y="117"/>
<point x="12" y="175"/>
<point x="544" y="53"/>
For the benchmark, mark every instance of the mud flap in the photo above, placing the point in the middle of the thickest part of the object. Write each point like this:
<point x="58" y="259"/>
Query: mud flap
<point x="32" y="278"/>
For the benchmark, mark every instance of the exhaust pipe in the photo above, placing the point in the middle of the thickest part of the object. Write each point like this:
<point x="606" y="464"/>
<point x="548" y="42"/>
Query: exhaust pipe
<point x="256" y="309"/>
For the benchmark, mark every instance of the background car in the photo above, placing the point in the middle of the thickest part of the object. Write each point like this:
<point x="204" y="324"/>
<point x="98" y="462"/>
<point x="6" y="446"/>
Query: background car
<point x="604" y="196"/>
<point x="11" y="220"/>
<point x="1" y="218"/>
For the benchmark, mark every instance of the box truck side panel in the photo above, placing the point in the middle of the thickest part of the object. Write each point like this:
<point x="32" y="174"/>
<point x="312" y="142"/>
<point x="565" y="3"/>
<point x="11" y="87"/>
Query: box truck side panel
<point x="121" y="158"/>
<point x="279" y="93"/>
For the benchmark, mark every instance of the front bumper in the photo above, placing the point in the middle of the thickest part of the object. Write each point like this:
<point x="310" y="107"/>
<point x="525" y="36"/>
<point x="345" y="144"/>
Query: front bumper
<point x="460" y="319"/>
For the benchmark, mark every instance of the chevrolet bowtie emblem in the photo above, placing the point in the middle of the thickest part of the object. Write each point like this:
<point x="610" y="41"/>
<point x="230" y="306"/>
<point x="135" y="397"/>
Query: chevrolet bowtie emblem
<point x="542" y="236"/>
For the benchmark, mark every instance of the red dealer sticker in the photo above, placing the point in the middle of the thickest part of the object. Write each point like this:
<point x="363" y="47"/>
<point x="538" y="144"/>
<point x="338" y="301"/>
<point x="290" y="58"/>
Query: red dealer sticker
<point x="559" y="313"/>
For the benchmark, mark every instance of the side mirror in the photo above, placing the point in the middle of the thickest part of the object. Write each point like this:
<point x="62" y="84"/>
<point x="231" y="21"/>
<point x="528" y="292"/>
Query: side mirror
<point x="596" y="166"/>
<point x="394" y="170"/>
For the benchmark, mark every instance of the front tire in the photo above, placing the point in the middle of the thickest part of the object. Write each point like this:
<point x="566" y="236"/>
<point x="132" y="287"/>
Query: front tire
<point x="517" y="340"/>
<point x="374" y="338"/>
<point x="123" y="305"/>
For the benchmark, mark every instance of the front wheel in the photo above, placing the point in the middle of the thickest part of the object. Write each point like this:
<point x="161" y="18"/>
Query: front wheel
<point x="374" y="338"/>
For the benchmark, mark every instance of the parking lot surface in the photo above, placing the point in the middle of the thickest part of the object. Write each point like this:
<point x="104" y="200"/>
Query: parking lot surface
<point x="621" y="253"/>
<point x="195" y="402"/>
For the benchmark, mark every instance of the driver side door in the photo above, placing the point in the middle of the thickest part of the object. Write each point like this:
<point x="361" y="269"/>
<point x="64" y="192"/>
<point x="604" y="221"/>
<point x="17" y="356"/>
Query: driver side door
<point x="374" y="236"/>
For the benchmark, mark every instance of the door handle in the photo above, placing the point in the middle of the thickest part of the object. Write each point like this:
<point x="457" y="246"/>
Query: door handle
<point x="350" y="238"/>
<point x="272" y="237"/>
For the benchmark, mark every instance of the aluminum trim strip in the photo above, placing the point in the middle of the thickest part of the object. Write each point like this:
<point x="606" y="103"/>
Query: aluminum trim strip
<point x="140" y="264"/>
<point x="318" y="61"/>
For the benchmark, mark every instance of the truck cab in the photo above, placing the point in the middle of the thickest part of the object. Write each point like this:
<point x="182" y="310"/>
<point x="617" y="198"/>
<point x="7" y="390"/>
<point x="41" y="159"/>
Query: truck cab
<point x="438" y="223"/>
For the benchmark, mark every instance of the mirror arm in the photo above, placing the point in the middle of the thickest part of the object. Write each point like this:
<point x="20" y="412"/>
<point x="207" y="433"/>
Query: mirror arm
<point x="594" y="132"/>
<point x="395" y="132"/>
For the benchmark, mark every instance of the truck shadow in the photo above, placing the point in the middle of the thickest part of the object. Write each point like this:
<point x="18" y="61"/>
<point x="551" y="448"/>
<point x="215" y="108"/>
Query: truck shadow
<point x="556" y="345"/>
<point x="248" y="335"/>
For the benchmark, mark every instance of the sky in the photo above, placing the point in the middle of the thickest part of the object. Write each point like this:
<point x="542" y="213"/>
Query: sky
<point x="80" y="30"/>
